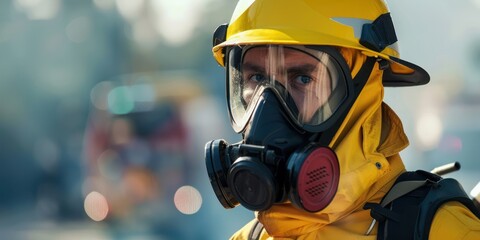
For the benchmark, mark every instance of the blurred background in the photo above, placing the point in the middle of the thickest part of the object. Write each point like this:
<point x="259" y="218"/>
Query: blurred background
<point x="106" y="106"/>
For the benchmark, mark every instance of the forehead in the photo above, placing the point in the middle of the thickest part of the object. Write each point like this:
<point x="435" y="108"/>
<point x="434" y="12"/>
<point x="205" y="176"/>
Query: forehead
<point x="259" y="54"/>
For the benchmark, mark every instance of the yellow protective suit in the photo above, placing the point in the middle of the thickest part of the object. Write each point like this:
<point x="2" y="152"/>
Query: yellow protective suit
<point x="367" y="146"/>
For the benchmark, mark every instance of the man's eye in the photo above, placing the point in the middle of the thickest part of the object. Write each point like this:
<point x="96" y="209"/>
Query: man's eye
<point x="257" y="78"/>
<point x="302" y="79"/>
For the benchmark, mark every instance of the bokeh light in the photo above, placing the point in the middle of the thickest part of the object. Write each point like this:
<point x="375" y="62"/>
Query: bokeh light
<point x="120" y="100"/>
<point x="96" y="206"/>
<point x="188" y="200"/>
<point x="104" y="4"/>
<point x="451" y="144"/>
<point x="99" y="95"/>
<point x="130" y="9"/>
<point x="429" y="130"/>
<point x="38" y="9"/>
<point x="476" y="3"/>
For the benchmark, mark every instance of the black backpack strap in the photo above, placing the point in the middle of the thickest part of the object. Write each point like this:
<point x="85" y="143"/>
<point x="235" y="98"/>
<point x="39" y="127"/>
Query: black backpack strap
<point x="379" y="211"/>
<point x="445" y="190"/>
<point x="407" y="211"/>
<point x="396" y="213"/>
<point x="256" y="231"/>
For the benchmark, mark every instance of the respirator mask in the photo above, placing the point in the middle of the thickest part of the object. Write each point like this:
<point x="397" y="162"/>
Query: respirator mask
<point x="286" y="101"/>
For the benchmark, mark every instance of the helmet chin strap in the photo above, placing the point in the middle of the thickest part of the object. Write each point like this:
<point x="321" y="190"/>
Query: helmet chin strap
<point x="324" y="138"/>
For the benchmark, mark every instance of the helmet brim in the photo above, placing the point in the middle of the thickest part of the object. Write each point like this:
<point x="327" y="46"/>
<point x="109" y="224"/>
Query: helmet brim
<point x="404" y="74"/>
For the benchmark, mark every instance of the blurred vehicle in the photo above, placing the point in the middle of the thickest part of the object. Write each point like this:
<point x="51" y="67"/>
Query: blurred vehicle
<point x="139" y="151"/>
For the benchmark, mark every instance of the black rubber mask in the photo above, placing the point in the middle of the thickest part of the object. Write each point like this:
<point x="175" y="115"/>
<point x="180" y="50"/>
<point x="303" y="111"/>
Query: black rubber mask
<point x="268" y="166"/>
<point x="281" y="157"/>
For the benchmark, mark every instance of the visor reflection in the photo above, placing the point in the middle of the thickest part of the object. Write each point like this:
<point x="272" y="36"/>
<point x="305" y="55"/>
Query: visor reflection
<point x="304" y="79"/>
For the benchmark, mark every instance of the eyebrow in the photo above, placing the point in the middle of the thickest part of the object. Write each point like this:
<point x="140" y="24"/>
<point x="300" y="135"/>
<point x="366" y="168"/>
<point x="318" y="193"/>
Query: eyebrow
<point x="252" y="67"/>
<point x="296" y="68"/>
<point x="302" y="68"/>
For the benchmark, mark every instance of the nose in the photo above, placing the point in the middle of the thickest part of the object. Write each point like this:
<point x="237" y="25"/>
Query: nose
<point x="279" y="85"/>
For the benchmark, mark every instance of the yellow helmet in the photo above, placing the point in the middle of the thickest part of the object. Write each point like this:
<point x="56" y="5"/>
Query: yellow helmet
<point x="362" y="25"/>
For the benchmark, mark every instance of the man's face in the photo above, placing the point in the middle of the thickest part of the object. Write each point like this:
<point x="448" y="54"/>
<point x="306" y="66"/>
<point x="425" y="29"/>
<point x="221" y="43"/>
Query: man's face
<point x="309" y="82"/>
<point x="304" y="77"/>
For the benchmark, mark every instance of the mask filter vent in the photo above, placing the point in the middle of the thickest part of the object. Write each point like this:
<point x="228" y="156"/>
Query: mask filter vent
<point x="315" y="178"/>
<point x="318" y="182"/>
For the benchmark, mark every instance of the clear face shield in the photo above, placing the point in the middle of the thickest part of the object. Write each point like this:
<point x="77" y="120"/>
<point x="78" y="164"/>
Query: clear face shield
<point x="310" y="82"/>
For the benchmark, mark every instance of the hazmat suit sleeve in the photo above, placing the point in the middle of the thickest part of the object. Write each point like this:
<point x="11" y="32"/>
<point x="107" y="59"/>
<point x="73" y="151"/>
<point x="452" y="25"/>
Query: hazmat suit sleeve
<point x="455" y="221"/>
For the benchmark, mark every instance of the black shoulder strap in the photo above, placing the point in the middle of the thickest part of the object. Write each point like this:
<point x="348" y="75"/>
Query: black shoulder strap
<point x="398" y="208"/>
<point x="407" y="211"/>
<point x="445" y="190"/>
<point x="256" y="231"/>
